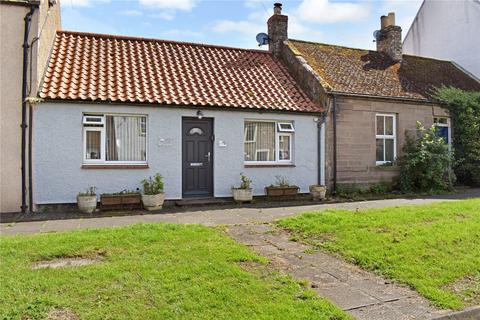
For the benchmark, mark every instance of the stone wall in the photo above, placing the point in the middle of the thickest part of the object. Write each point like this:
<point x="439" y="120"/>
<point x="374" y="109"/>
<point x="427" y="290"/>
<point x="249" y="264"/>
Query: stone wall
<point x="356" y="136"/>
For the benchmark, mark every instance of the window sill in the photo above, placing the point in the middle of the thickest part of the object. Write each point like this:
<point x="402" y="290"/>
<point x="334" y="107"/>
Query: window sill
<point x="287" y="165"/>
<point x="392" y="167"/>
<point x="115" y="166"/>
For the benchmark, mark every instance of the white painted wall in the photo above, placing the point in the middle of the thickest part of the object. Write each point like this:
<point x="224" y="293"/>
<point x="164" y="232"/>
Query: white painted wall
<point x="448" y="30"/>
<point x="58" y="151"/>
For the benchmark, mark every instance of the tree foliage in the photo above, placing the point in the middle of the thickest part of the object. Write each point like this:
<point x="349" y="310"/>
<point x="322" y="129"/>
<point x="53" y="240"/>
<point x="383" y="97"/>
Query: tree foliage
<point x="464" y="107"/>
<point x="426" y="162"/>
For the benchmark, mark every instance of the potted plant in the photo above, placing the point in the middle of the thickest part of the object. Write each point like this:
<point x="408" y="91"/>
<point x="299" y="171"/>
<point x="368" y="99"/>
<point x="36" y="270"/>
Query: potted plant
<point x="120" y="199"/>
<point x="281" y="188"/>
<point x="243" y="193"/>
<point x="153" y="196"/>
<point x="87" y="201"/>
<point x="318" y="192"/>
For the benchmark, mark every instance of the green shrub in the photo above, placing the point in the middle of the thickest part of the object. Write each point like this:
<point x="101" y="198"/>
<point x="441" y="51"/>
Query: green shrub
<point x="382" y="187"/>
<point x="426" y="162"/>
<point x="349" y="190"/>
<point x="153" y="186"/>
<point x="464" y="107"/>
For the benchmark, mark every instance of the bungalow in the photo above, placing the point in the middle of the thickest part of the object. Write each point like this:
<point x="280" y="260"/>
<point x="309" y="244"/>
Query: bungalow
<point x="118" y="109"/>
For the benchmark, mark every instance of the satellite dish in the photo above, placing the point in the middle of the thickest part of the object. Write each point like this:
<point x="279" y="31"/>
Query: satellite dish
<point x="376" y="34"/>
<point x="262" y="39"/>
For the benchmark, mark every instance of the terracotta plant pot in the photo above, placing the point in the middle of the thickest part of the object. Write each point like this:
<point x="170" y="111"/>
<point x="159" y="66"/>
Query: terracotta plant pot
<point x="87" y="204"/>
<point x="153" y="202"/>
<point x="318" y="192"/>
<point x="242" y="195"/>
<point x="275" y="191"/>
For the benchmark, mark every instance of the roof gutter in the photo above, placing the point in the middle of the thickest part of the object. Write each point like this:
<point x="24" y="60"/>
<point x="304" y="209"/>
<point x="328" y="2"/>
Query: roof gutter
<point x="26" y="46"/>
<point x="400" y="99"/>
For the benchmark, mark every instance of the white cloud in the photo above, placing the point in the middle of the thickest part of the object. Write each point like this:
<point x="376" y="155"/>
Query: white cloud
<point x="164" y="15"/>
<point x="242" y="26"/>
<point x="179" y="34"/>
<point x="184" y="5"/>
<point x="324" y="11"/>
<point x="131" y="13"/>
<point x="81" y="3"/>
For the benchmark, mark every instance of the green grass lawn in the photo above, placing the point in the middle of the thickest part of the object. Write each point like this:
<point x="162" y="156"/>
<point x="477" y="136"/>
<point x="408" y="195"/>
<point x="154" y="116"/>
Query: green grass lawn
<point x="433" y="248"/>
<point x="149" y="271"/>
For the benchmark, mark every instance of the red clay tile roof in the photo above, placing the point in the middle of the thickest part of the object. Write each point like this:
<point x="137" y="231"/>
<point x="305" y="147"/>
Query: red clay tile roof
<point x="96" y="67"/>
<point x="367" y="72"/>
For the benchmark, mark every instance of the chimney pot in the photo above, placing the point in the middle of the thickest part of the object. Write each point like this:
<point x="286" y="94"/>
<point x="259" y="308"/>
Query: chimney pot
<point x="391" y="18"/>
<point x="277" y="8"/>
<point x="384" y="22"/>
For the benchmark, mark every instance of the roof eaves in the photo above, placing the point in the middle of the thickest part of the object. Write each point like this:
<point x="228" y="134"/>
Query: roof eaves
<point x="396" y="98"/>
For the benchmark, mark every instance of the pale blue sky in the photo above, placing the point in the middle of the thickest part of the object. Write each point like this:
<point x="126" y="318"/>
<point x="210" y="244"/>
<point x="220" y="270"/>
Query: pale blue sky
<point x="236" y="22"/>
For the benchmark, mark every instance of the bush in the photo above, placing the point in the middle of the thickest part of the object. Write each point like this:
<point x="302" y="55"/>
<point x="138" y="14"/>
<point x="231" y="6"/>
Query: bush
<point x="153" y="186"/>
<point x="382" y="187"/>
<point x="464" y="107"/>
<point x="426" y="163"/>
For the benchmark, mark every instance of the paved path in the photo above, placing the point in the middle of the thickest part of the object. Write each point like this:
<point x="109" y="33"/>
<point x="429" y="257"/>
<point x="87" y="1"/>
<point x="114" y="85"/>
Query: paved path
<point x="208" y="217"/>
<point x="361" y="293"/>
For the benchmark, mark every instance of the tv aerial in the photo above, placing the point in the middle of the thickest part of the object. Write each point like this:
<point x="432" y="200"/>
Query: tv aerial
<point x="262" y="39"/>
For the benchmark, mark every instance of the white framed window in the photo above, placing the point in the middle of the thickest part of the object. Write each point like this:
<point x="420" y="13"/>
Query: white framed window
<point x="442" y="125"/>
<point x="386" y="138"/>
<point x="268" y="142"/>
<point x="285" y="127"/>
<point x="114" y="139"/>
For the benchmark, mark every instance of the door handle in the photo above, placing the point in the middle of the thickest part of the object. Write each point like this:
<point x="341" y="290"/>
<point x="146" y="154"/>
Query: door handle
<point x="208" y="156"/>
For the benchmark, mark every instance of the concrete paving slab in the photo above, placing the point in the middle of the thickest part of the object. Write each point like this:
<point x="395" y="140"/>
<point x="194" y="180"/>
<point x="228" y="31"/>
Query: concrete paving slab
<point x="381" y="312"/>
<point x="345" y="296"/>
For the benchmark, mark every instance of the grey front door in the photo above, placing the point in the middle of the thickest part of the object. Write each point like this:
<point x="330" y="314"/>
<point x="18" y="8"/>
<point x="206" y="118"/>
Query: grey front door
<point x="197" y="157"/>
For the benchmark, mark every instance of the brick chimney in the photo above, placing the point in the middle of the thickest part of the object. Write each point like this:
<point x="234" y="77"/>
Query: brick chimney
<point x="389" y="39"/>
<point x="277" y="29"/>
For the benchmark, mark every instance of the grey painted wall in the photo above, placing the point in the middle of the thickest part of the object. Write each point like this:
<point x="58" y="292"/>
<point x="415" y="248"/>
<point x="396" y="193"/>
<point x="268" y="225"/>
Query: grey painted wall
<point x="58" y="175"/>
<point x="447" y="30"/>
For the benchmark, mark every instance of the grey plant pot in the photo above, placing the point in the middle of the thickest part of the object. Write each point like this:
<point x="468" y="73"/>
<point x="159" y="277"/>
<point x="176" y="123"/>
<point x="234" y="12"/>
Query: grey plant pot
<point x="318" y="192"/>
<point x="87" y="204"/>
<point x="153" y="202"/>
<point x="242" y="195"/>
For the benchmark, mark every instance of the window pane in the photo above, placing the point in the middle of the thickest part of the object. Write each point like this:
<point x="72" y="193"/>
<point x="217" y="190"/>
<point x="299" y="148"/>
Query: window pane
<point x="250" y="132"/>
<point x="93" y="145"/>
<point x="442" y="132"/>
<point x="126" y="139"/>
<point x="389" y="152"/>
<point x="389" y="125"/>
<point x="380" y="150"/>
<point x="380" y="125"/>
<point x="263" y="148"/>
<point x="284" y="146"/>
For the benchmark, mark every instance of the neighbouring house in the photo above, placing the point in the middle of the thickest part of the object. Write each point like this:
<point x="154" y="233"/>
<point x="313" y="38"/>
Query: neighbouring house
<point x="118" y="109"/>
<point x="27" y="29"/>
<point x="372" y="98"/>
<point x="447" y="29"/>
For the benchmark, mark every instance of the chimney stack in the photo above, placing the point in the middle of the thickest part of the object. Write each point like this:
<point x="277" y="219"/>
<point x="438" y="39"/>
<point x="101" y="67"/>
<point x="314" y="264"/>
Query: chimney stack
<point x="389" y="39"/>
<point x="277" y="29"/>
